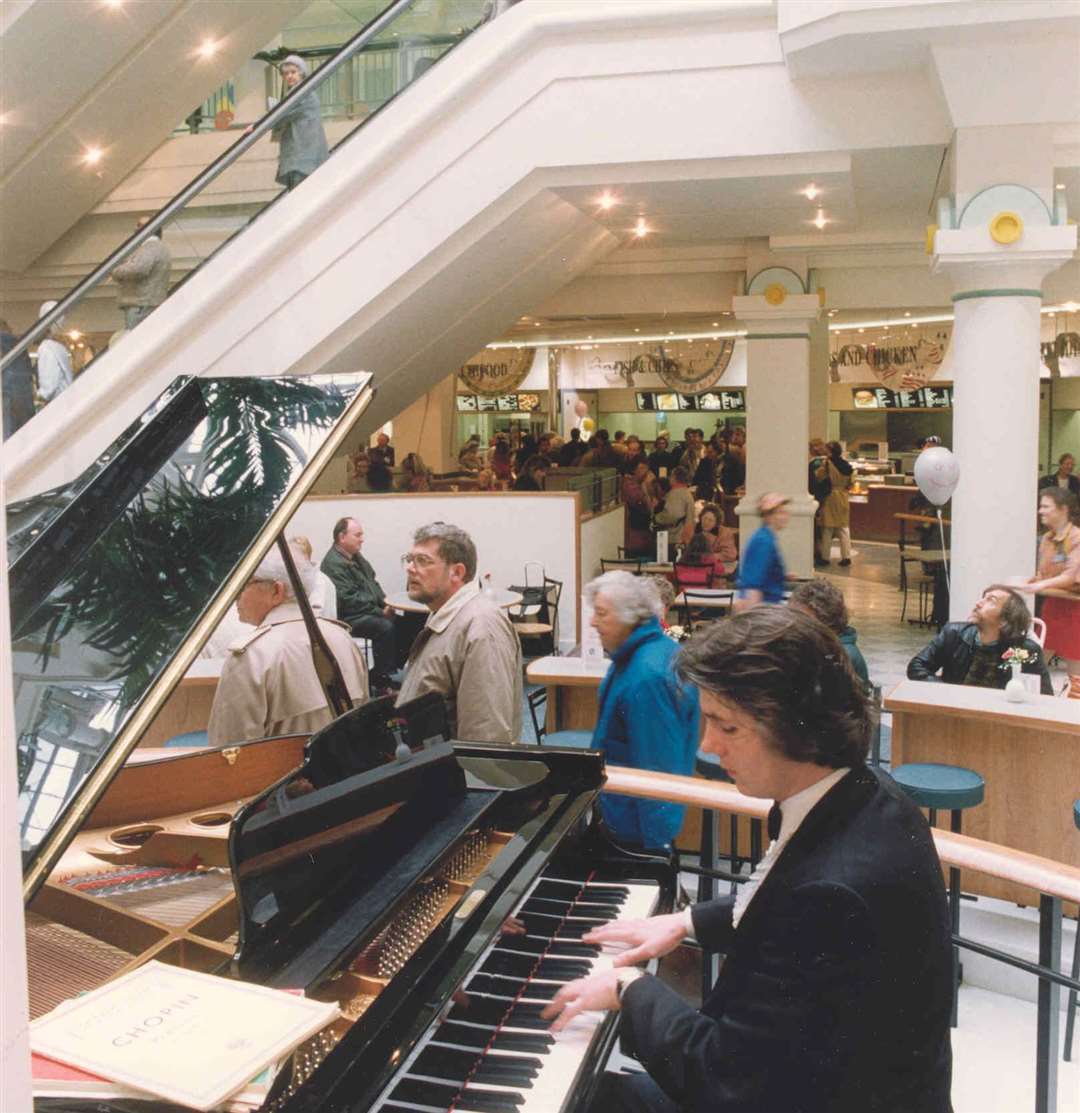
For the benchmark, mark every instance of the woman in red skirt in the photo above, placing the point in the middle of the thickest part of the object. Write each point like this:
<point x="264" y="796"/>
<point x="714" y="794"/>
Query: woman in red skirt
<point x="1059" y="570"/>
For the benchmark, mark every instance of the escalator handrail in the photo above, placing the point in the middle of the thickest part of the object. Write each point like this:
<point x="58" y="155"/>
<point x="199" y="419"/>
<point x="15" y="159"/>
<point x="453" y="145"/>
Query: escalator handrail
<point x="198" y="183"/>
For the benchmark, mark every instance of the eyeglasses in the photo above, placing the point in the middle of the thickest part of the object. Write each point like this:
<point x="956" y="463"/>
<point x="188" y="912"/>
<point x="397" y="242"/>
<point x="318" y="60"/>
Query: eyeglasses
<point x="419" y="560"/>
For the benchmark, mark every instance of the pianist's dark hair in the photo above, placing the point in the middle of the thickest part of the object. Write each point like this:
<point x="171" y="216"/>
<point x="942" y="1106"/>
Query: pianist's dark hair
<point x="789" y="673"/>
<point x="455" y="546"/>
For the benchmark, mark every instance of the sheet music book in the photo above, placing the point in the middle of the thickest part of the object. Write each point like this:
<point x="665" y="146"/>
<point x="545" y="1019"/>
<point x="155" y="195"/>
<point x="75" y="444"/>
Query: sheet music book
<point x="189" y="1037"/>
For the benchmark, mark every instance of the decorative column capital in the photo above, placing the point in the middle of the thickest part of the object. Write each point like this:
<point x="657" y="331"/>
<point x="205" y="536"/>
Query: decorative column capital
<point x="1003" y="244"/>
<point x="777" y="315"/>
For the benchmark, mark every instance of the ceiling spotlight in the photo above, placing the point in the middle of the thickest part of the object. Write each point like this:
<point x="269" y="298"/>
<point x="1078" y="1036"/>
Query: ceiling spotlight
<point x="637" y="330"/>
<point x="821" y="219"/>
<point x="862" y="330"/>
<point x="114" y="4"/>
<point x="1070" y="307"/>
<point x="607" y="200"/>
<point x="641" y="228"/>
<point x="715" y="324"/>
<point x="907" y="313"/>
<point x="1060" y="185"/>
<point x="811" y="192"/>
<point x="536" y="324"/>
<point x="75" y="334"/>
<point x="91" y="156"/>
<point x="207" y="49"/>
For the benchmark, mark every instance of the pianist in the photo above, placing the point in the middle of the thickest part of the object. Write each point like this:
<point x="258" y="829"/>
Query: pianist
<point x="836" y="990"/>
<point x="268" y="685"/>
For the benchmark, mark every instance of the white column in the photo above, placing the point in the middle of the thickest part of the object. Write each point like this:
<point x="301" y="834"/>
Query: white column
<point x="994" y="354"/>
<point x="14" y="1012"/>
<point x="778" y="415"/>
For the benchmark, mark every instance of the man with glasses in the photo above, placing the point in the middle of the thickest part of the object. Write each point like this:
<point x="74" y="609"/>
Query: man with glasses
<point x="268" y="685"/>
<point x="468" y="650"/>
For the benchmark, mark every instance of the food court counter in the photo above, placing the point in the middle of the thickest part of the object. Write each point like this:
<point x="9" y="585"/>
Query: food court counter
<point x="872" y="512"/>
<point x="1027" y="753"/>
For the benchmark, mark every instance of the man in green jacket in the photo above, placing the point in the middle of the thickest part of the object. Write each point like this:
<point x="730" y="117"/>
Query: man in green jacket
<point x="361" y="602"/>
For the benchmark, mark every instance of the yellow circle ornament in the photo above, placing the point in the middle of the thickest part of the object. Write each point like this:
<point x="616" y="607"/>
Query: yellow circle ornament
<point x="1006" y="228"/>
<point x="775" y="294"/>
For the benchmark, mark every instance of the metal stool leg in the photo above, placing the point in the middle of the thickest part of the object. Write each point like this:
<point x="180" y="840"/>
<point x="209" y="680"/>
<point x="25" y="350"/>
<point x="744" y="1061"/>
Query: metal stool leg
<point x="954" y="915"/>
<point x="1070" y="1009"/>
<point x="710" y="960"/>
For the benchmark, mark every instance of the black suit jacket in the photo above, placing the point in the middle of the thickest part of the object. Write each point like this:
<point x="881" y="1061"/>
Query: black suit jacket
<point x="836" y="991"/>
<point x="1051" y="481"/>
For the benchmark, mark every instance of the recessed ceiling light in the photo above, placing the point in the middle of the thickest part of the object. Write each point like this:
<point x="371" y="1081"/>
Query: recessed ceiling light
<point x="862" y="330"/>
<point x="91" y="156"/>
<point x="641" y="228"/>
<point x="637" y="330"/>
<point x="907" y="313"/>
<point x="821" y="219"/>
<point x="811" y="192"/>
<point x="1060" y="185"/>
<point x="536" y="324"/>
<point x="208" y="48"/>
<point x="114" y="4"/>
<point x="715" y="324"/>
<point x="607" y="200"/>
<point x="1070" y="307"/>
<point x="75" y="334"/>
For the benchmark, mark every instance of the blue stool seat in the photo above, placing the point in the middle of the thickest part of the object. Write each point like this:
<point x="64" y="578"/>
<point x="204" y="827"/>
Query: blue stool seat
<point x="577" y="739"/>
<point x="708" y="765"/>
<point x="192" y="738"/>
<point x="948" y="787"/>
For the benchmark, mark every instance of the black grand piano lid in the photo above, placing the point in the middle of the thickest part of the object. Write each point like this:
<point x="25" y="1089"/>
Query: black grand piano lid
<point x="117" y="579"/>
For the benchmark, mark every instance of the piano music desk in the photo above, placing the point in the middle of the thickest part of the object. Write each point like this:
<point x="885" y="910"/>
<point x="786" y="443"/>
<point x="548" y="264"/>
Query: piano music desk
<point x="1027" y="752"/>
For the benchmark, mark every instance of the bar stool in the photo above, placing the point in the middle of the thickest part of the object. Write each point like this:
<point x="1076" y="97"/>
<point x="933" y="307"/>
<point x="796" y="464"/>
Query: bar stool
<point x="1070" y="1008"/>
<point x="933" y="786"/>
<point x="709" y="767"/>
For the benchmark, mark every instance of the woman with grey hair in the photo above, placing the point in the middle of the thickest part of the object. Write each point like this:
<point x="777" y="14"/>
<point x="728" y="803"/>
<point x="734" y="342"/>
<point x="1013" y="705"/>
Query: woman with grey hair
<point x="647" y="718"/>
<point x="299" y="133"/>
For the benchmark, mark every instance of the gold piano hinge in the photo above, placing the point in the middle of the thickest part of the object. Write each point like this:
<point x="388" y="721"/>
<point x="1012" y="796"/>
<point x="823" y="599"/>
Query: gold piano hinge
<point x="230" y="754"/>
<point x="469" y="903"/>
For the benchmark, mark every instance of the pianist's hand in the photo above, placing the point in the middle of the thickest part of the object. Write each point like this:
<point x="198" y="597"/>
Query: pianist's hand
<point x="595" y="992"/>
<point x="646" y="938"/>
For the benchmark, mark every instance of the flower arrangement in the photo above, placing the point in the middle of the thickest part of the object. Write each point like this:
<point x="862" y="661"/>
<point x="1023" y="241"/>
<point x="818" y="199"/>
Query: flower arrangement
<point x="677" y="633"/>
<point x="1017" y="656"/>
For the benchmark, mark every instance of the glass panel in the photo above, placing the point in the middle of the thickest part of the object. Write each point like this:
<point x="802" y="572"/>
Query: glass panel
<point x="371" y="70"/>
<point x="87" y="650"/>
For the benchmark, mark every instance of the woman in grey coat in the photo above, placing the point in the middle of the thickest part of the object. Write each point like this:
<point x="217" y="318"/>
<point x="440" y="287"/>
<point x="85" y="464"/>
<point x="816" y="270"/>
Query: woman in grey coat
<point x="299" y="132"/>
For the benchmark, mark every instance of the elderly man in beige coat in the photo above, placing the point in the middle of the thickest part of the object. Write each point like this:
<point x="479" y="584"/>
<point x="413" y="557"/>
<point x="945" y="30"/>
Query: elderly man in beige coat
<point x="468" y="650"/>
<point x="268" y="684"/>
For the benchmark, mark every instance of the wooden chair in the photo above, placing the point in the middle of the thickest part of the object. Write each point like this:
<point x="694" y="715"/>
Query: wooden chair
<point x="703" y="605"/>
<point x="545" y="623"/>
<point x="1037" y="633"/>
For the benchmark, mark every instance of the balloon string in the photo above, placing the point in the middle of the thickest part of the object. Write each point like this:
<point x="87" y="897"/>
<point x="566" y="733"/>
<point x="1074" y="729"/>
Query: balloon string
<point x="944" y="551"/>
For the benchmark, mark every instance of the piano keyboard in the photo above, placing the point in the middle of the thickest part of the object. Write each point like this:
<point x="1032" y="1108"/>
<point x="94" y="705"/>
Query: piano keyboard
<point x="496" y="1055"/>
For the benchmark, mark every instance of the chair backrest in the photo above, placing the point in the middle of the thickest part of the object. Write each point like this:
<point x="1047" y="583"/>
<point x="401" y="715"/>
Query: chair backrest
<point x="694" y="575"/>
<point x="626" y="564"/>
<point x="1037" y="633"/>
<point x="537" y="701"/>
<point x="705" y="606"/>
<point x="534" y="573"/>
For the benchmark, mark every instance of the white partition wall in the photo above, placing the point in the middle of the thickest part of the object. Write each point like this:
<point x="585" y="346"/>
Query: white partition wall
<point x="601" y="536"/>
<point x="508" y="529"/>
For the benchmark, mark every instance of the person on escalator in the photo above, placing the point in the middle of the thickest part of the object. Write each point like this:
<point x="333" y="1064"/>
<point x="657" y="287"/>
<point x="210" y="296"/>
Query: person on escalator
<point x="299" y="133"/>
<point x="54" y="373"/>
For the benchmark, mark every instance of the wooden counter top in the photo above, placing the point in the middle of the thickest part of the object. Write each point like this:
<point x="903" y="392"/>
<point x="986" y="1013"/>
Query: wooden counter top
<point x="921" y="697"/>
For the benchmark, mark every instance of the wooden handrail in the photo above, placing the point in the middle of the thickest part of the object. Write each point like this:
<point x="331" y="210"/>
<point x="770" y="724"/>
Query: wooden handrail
<point x="1041" y="874"/>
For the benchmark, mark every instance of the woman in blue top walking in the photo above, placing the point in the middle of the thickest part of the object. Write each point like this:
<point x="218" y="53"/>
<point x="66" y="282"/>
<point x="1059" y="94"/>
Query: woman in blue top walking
<point x="761" y="569"/>
<point x="647" y="719"/>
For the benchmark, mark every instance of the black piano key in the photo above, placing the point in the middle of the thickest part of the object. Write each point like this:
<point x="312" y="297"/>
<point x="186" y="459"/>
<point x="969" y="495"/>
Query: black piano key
<point x="440" y="1095"/>
<point x="547" y="889"/>
<point x="568" y="948"/>
<point x="562" y="908"/>
<point x="533" y="1043"/>
<point x="510" y="987"/>
<point x="481" y="1010"/>
<point x="509" y="963"/>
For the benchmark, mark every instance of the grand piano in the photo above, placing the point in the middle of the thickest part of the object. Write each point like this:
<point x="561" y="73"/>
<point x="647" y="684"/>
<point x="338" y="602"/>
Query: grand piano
<point x="376" y="864"/>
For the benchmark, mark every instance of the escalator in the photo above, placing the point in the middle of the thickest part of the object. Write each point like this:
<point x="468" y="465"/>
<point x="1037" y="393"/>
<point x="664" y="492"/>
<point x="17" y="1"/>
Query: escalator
<point x="463" y="202"/>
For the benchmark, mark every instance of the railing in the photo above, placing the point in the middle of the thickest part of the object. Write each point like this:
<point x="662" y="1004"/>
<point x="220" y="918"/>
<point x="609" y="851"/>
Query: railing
<point x="327" y="73"/>
<point x="1055" y="882"/>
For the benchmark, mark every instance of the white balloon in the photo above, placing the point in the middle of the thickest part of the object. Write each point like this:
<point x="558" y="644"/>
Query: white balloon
<point x="581" y="407"/>
<point x="937" y="473"/>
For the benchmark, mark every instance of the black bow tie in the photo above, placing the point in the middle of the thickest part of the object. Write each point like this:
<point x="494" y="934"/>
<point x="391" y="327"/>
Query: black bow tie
<point x="772" y="824"/>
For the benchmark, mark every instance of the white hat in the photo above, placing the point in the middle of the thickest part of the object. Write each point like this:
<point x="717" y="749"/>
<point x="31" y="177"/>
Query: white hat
<point x="295" y="60"/>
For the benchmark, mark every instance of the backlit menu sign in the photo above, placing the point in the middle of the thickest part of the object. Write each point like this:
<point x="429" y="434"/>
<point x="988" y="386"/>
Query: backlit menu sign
<point x="710" y="401"/>
<point x="502" y="403"/>
<point x="925" y="398"/>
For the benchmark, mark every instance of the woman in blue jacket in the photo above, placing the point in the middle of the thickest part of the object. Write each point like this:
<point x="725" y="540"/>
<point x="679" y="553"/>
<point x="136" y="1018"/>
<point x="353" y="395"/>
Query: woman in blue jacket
<point x="648" y="719"/>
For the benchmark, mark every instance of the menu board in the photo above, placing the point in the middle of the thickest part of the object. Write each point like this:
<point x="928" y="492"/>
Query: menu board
<point x="710" y="401"/>
<point x="925" y="398"/>
<point x="503" y="403"/>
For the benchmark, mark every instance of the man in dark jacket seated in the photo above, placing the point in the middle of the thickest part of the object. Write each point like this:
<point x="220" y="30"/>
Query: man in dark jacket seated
<point x="836" y="991"/>
<point x="361" y="601"/>
<point x="970" y="652"/>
